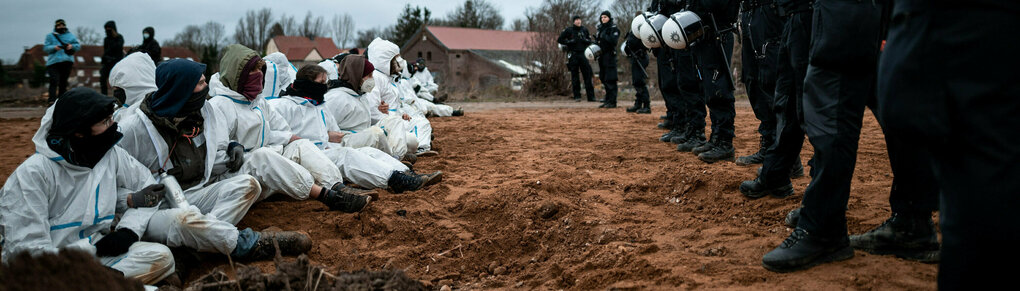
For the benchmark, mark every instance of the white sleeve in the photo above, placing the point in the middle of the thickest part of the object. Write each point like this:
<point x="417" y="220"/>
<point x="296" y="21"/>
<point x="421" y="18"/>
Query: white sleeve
<point x="24" y="210"/>
<point x="279" y="129"/>
<point x="221" y="140"/>
<point x="131" y="177"/>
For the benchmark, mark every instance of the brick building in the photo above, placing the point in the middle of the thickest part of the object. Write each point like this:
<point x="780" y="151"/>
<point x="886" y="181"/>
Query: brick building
<point x="88" y="62"/>
<point x="468" y="58"/>
<point x="301" y="50"/>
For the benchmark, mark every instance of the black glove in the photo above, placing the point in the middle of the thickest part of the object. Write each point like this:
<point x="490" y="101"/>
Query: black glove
<point x="115" y="243"/>
<point x="417" y="88"/>
<point x="235" y="156"/>
<point x="148" y="196"/>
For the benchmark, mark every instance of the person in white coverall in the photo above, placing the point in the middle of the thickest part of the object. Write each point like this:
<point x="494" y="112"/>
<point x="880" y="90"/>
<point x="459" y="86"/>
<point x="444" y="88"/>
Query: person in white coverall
<point x="386" y="96"/>
<point x="67" y="194"/>
<point x="303" y="170"/>
<point x="279" y="75"/>
<point x="132" y="78"/>
<point x="408" y="84"/>
<point x="302" y="107"/>
<point x="172" y="131"/>
<point x="401" y="146"/>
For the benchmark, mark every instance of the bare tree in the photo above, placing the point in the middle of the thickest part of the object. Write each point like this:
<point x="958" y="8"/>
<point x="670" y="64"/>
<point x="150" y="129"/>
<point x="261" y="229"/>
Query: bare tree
<point x="213" y="34"/>
<point x="548" y="20"/>
<point x="313" y="26"/>
<point x="88" y="36"/>
<point x="366" y="36"/>
<point x="476" y="14"/>
<point x="519" y="24"/>
<point x="624" y="12"/>
<point x="342" y="29"/>
<point x="288" y="25"/>
<point x="253" y="29"/>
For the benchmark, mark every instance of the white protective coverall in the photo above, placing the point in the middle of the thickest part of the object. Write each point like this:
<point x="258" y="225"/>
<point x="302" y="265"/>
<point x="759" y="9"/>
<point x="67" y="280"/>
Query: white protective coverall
<point x="136" y="74"/>
<point x="352" y="118"/>
<point x="364" y="166"/>
<point x="285" y="75"/>
<point x="263" y="134"/>
<point x="218" y="202"/>
<point x="48" y="204"/>
<point x="406" y="84"/>
<point x="380" y="52"/>
<point x="390" y="125"/>
<point x="427" y="82"/>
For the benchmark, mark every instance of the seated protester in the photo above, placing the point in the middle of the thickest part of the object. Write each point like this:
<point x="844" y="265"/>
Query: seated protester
<point x="271" y="150"/>
<point x="424" y="77"/>
<point x="351" y="115"/>
<point x="173" y="132"/>
<point x="67" y="194"/>
<point x="387" y="98"/>
<point x="279" y="75"/>
<point x="302" y="107"/>
<point x="401" y="146"/>
<point x="409" y="85"/>
<point x="132" y="78"/>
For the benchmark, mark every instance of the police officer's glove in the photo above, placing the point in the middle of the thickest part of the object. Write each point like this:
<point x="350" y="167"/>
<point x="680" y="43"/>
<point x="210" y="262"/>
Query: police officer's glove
<point x="115" y="243"/>
<point x="235" y="156"/>
<point x="147" y="197"/>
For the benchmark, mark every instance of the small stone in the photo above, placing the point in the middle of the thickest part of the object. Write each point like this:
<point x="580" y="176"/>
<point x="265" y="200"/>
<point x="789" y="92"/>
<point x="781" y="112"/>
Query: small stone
<point x="445" y="288"/>
<point x="492" y="267"/>
<point x="499" y="271"/>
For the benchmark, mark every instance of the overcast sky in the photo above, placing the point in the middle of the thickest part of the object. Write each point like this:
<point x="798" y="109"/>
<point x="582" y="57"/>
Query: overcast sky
<point x="24" y="23"/>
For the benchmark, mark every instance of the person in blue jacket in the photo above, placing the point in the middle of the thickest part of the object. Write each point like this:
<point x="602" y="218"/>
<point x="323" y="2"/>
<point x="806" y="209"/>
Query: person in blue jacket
<point x="59" y="47"/>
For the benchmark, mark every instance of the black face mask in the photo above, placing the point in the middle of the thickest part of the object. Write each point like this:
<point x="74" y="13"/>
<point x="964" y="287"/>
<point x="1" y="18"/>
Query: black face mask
<point x="309" y="89"/>
<point x="85" y="151"/>
<point x="120" y="95"/>
<point x="61" y="30"/>
<point x="109" y="32"/>
<point x="194" y="103"/>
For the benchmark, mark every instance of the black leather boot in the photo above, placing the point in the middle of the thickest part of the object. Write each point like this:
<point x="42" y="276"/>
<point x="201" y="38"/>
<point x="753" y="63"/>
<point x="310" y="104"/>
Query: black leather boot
<point x="705" y="146"/>
<point x="909" y="237"/>
<point x="757" y="157"/>
<point x="722" y="151"/>
<point x="802" y="250"/>
<point x="400" y="182"/>
<point x="695" y="139"/>
<point x="291" y="243"/>
<point x="757" y="188"/>
<point x="344" y="201"/>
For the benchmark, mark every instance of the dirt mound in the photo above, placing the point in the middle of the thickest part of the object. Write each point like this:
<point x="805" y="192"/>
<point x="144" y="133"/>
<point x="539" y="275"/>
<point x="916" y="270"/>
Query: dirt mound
<point x="577" y="199"/>
<point x="68" y="270"/>
<point x="301" y="275"/>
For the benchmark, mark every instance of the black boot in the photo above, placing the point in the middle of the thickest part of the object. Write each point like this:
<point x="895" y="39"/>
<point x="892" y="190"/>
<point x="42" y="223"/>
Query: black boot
<point x="458" y="112"/>
<point x="400" y="182"/>
<point x="796" y="171"/>
<point x="644" y="110"/>
<point x="667" y="124"/>
<point x="722" y="151"/>
<point x="603" y="105"/>
<point x="341" y="188"/>
<point x="633" y="108"/>
<point x="694" y="140"/>
<point x="707" y="146"/>
<point x="682" y="137"/>
<point x="756" y="189"/>
<point x="667" y="137"/>
<point x="757" y="157"/>
<point x="344" y="201"/>
<point x="909" y="237"/>
<point x="291" y="243"/>
<point x="431" y="179"/>
<point x="802" y="250"/>
<point x="609" y="105"/>
<point x="792" y="218"/>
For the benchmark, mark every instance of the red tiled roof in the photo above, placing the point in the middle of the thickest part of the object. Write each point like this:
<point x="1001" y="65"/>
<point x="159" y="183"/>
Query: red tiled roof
<point x="298" y="47"/>
<point x="90" y="52"/>
<point x="457" y="38"/>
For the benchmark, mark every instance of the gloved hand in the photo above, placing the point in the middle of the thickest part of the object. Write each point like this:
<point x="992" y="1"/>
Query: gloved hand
<point x="115" y="243"/>
<point x="147" y="197"/>
<point x="235" y="155"/>
<point x="417" y="88"/>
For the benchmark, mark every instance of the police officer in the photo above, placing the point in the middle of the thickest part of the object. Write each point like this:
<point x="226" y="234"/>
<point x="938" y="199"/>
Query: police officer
<point x="839" y="83"/>
<point x="679" y="85"/>
<point x="782" y="161"/>
<point x="576" y="39"/>
<point x="948" y="86"/>
<point x="760" y="28"/>
<point x="638" y="55"/>
<point x="713" y="59"/>
<point x="608" y="36"/>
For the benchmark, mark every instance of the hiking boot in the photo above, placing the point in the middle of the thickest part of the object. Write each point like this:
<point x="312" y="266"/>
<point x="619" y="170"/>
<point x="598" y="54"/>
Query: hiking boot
<point x="802" y="250"/>
<point x="645" y="110"/>
<point x="792" y="218"/>
<point x="458" y="112"/>
<point x="796" y="172"/>
<point x="291" y="243"/>
<point x="400" y="182"/>
<point x="720" y="152"/>
<point x="344" y="201"/>
<point x="755" y="158"/>
<point x="608" y="105"/>
<point x="693" y="141"/>
<point x="704" y="147"/>
<point x="668" y="136"/>
<point x="431" y="179"/>
<point x="341" y="188"/>
<point x="756" y="189"/>
<point x="668" y="124"/>
<point x="410" y="158"/>
<point x="633" y="109"/>
<point x="681" y="138"/>
<point x="905" y="236"/>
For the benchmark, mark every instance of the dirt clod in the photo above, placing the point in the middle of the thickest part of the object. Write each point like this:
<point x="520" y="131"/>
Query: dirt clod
<point x="548" y="210"/>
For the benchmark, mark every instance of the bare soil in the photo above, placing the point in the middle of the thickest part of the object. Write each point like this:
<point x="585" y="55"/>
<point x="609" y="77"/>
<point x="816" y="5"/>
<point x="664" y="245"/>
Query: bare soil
<point x="575" y="198"/>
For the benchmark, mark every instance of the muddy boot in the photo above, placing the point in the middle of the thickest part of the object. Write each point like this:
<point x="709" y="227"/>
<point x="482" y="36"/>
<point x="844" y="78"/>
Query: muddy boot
<point x="431" y="179"/>
<point x="644" y="110"/>
<point x="704" y="147"/>
<point x="341" y="188"/>
<point x="909" y="237"/>
<point x="458" y="112"/>
<point x="345" y="201"/>
<point x="756" y="189"/>
<point x="400" y="182"/>
<point x="792" y="218"/>
<point x="634" y="108"/>
<point x="757" y="157"/>
<point x="722" y="151"/>
<point x="410" y="158"/>
<point x="694" y="140"/>
<point x="802" y="250"/>
<point x="255" y="246"/>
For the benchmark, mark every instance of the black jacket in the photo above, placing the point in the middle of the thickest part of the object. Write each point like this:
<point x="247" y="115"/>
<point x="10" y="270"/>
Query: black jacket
<point x="667" y="7"/>
<point x="576" y="38"/>
<point x="151" y="47"/>
<point x="113" y="49"/>
<point x="608" y="37"/>
<point x="635" y="48"/>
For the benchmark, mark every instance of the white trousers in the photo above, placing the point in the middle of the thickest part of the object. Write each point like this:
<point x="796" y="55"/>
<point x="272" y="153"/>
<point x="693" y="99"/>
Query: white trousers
<point x="422" y="129"/>
<point x="367" y="167"/>
<point x="148" y="262"/>
<point x="394" y="125"/>
<point x="208" y="225"/>
<point x="309" y="156"/>
<point x="440" y="110"/>
<point x="277" y="174"/>
<point x="373" y="137"/>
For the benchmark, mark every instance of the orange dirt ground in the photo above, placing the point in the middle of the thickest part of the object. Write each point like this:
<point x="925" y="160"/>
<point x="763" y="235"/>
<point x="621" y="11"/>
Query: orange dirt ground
<point x="631" y="212"/>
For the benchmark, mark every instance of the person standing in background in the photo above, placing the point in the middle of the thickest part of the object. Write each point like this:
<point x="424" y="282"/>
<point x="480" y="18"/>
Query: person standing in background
<point x="59" y="47"/>
<point x="150" y="45"/>
<point x="113" y="52"/>
<point x="607" y="38"/>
